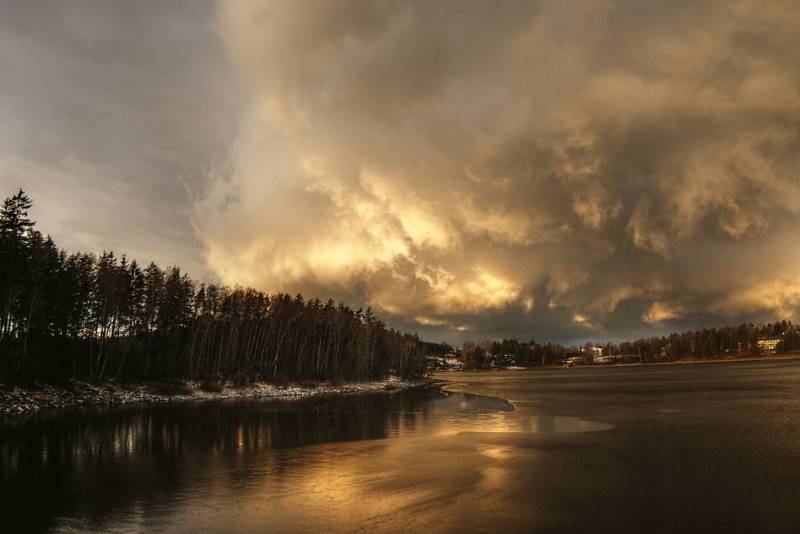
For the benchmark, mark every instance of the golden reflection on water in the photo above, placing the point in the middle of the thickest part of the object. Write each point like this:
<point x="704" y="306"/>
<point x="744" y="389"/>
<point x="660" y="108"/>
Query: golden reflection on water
<point x="455" y="463"/>
<point x="263" y="467"/>
<point x="427" y="483"/>
<point x="497" y="453"/>
<point x="432" y="482"/>
<point x="517" y="422"/>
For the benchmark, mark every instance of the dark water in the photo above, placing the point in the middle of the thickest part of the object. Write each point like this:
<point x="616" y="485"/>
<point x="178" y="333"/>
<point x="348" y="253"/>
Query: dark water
<point x="698" y="448"/>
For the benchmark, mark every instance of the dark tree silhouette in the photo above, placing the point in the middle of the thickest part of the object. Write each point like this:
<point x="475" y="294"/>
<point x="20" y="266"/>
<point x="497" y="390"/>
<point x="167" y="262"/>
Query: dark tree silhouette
<point x="727" y="341"/>
<point x="97" y="317"/>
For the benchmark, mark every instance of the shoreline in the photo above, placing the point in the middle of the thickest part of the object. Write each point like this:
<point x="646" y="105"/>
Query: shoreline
<point x="794" y="355"/>
<point x="20" y="400"/>
<point x="729" y="359"/>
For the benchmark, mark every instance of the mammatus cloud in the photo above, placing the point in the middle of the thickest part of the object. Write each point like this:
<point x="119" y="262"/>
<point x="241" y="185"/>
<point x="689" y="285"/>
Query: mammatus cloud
<point x="658" y="312"/>
<point x="512" y="168"/>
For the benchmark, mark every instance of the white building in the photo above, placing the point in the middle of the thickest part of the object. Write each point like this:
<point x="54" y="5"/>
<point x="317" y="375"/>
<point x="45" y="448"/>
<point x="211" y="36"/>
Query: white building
<point x="769" y="344"/>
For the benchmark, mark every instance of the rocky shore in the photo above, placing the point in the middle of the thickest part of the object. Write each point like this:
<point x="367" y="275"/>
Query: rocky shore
<point x="14" y="399"/>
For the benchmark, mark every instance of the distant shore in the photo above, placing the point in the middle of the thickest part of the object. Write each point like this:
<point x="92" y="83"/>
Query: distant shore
<point x="793" y="355"/>
<point x="18" y="400"/>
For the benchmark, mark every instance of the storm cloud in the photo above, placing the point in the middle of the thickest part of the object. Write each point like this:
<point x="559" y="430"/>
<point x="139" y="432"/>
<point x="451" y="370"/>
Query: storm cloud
<point x="557" y="170"/>
<point x="523" y="167"/>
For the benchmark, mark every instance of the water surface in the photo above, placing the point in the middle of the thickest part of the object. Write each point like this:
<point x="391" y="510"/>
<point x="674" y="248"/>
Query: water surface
<point x="650" y="448"/>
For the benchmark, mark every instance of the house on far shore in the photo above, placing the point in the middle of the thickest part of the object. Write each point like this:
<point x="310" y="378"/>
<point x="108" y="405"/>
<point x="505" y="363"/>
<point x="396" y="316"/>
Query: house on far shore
<point x="591" y="352"/>
<point x="768" y="344"/>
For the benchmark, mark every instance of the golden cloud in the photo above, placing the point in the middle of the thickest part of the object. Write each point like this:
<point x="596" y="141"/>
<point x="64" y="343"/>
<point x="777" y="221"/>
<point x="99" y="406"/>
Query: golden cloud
<point x="435" y="166"/>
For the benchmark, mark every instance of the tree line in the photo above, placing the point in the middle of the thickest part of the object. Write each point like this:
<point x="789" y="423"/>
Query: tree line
<point x="97" y="317"/>
<point x="514" y="352"/>
<point x="739" y="340"/>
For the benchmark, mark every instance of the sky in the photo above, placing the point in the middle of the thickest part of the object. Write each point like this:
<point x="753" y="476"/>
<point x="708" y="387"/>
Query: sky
<point x="564" y="171"/>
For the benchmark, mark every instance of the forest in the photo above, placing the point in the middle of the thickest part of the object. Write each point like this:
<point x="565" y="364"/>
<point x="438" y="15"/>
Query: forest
<point x="81" y="316"/>
<point x="739" y="340"/>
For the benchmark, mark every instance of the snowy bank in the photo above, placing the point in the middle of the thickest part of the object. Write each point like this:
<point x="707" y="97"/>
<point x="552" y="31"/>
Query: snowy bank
<point x="15" y="399"/>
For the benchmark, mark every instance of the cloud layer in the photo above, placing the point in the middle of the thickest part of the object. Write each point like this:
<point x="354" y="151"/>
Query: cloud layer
<point x="551" y="168"/>
<point x="472" y="169"/>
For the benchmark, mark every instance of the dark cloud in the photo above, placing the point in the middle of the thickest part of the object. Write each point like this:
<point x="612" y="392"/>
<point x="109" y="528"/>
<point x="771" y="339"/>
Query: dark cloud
<point x="557" y="170"/>
<point x="548" y="169"/>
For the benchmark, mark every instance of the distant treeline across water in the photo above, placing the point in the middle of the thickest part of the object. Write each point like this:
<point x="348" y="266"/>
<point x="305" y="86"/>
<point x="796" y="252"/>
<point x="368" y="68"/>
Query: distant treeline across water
<point x="83" y="316"/>
<point x="746" y="339"/>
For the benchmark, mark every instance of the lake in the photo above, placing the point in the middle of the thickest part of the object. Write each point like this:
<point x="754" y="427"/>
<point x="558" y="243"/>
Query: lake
<point x="663" y="448"/>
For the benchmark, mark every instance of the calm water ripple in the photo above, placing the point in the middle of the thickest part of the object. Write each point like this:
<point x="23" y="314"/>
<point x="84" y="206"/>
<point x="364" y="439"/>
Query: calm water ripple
<point x="678" y="448"/>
